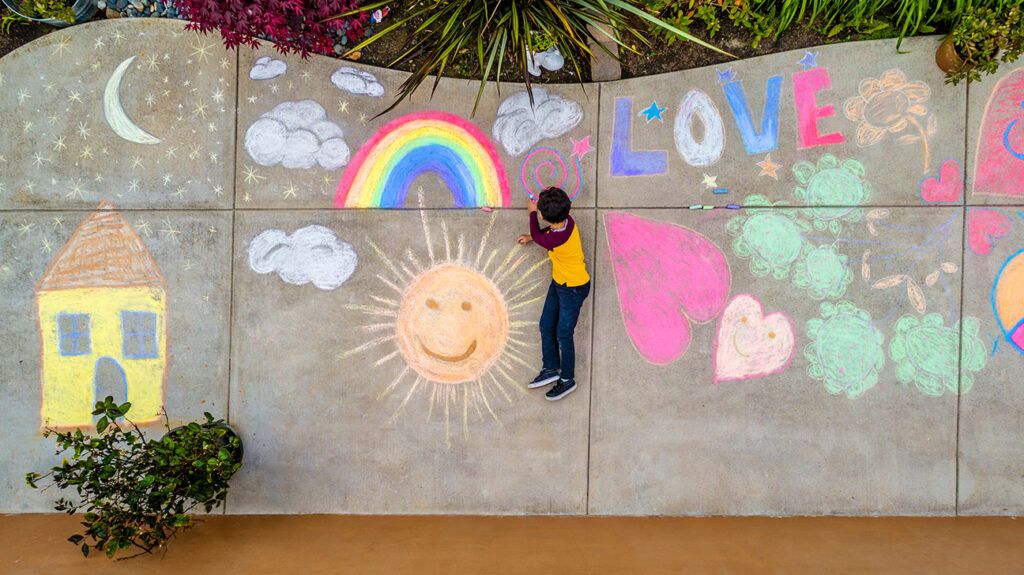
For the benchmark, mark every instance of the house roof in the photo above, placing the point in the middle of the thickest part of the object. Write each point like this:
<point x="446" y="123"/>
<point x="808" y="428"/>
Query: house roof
<point x="105" y="251"/>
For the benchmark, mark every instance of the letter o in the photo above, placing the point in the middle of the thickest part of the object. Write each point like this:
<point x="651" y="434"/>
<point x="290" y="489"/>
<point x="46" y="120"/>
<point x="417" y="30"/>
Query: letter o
<point x="708" y="151"/>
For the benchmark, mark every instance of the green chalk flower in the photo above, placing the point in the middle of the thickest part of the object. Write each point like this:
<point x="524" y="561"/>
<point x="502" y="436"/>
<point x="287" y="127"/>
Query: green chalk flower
<point x="845" y="350"/>
<point x="838" y="188"/>
<point x="925" y="352"/>
<point x="771" y="238"/>
<point x="823" y="271"/>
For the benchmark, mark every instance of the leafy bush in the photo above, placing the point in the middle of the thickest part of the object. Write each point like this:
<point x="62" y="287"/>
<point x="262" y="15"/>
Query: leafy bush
<point x="42" y="9"/>
<point x="302" y="26"/>
<point x="984" y="38"/>
<point x="492" y="31"/>
<point x="137" y="492"/>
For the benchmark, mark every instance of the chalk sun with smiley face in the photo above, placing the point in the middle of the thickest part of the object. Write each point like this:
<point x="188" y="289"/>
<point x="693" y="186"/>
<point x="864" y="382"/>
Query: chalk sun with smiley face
<point x="456" y="324"/>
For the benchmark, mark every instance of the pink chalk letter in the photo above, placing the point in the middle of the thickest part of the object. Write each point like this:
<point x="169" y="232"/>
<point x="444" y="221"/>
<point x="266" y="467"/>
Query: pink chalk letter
<point x="999" y="169"/>
<point x="946" y="188"/>
<point x="666" y="276"/>
<point x="984" y="227"/>
<point x="806" y="85"/>
<point x="751" y="344"/>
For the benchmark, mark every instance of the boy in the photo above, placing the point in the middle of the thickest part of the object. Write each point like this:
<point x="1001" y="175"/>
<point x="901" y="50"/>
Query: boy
<point x="570" y="285"/>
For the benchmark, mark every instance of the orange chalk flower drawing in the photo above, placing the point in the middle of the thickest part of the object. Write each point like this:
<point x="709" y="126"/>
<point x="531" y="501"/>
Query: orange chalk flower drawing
<point x="890" y="104"/>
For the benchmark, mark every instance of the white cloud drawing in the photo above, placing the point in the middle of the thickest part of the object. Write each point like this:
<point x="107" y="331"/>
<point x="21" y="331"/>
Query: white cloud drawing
<point x="297" y="135"/>
<point x="312" y="254"/>
<point x="518" y="126"/>
<point x="357" y="82"/>
<point x="267" y="68"/>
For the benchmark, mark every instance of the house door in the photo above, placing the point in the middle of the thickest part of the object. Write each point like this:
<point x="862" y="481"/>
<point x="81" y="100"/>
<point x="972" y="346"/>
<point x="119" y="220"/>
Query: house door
<point x="109" y="380"/>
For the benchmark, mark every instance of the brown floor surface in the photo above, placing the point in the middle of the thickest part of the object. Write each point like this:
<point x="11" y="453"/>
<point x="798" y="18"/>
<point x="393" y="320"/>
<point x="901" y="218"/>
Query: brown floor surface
<point x="315" y="544"/>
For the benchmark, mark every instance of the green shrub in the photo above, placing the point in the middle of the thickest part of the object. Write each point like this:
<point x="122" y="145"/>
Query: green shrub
<point x="490" y="31"/>
<point x="134" y="492"/>
<point x="43" y="9"/>
<point x="984" y="38"/>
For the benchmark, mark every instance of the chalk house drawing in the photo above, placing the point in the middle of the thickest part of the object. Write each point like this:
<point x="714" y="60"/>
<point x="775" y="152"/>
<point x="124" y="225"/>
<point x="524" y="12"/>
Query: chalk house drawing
<point x="845" y="351"/>
<point x="312" y="254"/>
<point x="357" y="82"/>
<point x="750" y="344"/>
<point x="297" y="135"/>
<point x="666" y="277"/>
<point x="102" y="310"/>
<point x="999" y="168"/>
<point x="114" y="112"/>
<point x="925" y="353"/>
<point x="267" y="68"/>
<point x="890" y="104"/>
<point x="1008" y="300"/>
<point x="385" y="168"/>
<point x="457" y="322"/>
<point x="520" y="125"/>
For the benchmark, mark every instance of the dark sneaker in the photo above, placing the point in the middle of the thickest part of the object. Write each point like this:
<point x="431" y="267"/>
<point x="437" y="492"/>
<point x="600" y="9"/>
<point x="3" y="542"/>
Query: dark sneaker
<point x="563" y="388"/>
<point x="545" y="377"/>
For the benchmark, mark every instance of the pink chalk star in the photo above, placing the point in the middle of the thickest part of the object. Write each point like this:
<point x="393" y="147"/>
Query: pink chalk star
<point x="581" y="147"/>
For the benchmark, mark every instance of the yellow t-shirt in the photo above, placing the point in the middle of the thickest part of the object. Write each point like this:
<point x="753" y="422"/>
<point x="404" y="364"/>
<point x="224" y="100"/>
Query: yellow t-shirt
<point x="565" y="249"/>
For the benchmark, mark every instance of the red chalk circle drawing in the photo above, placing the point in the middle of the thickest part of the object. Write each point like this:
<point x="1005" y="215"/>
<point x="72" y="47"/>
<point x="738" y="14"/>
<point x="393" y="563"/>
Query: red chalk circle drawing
<point x="544" y="167"/>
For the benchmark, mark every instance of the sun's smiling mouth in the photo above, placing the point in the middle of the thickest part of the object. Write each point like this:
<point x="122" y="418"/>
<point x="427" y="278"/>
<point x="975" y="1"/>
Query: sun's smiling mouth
<point x="450" y="358"/>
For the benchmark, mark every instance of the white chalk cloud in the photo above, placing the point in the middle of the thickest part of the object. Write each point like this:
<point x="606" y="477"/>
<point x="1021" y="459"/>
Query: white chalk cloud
<point x="297" y="135"/>
<point x="519" y="126"/>
<point x="267" y="68"/>
<point x="312" y="254"/>
<point x="357" y="82"/>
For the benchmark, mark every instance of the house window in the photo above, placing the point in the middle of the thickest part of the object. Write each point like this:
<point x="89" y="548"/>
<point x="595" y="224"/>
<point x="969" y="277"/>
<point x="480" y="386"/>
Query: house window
<point x="73" y="333"/>
<point x="139" y="331"/>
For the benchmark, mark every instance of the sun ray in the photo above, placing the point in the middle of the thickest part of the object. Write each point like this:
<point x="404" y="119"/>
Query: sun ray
<point x="394" y="383"/>
<point x="498" y="278"/>
<point x="497" y="385"/>
<point x="517" y="342"/>
<point x="412" y="390"/>
<point x="529" y="272"/>
<point x="483" y="397"/>
<point x="521" y="389"/>
<point x="447" y="242"/>
<point x="461" y="248"/>
<point x="483" y="241"/>
<point x="385" y="301"/>
<point x="384" y="258"/>
<point x="527" y="302"/>
<point x="501" y="268"/>
<point x="465" y="413"/>
<point x="426" y="236"/>
<point x="386" y="358"/>
<point x="490" y="258"/>
<point x="371" y="310"/>
<point x="522" y="323"/>
<point x="527" y="291"/>
<point x="377" y="326"/>
<point x="430" y="403"/>
<point x="414" y="260"/>
<point x="366" y="346"/>
<point x="447" y="421"/>
<point x="390" y="284"/>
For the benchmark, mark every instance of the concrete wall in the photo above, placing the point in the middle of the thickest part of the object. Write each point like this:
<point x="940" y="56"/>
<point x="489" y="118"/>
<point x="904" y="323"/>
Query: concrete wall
<point x="798" y="315"/>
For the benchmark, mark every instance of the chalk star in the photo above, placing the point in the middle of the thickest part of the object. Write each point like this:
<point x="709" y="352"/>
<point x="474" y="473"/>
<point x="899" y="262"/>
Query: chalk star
<point x="58" y="222"/>
<point x="581" y="147"/>
<point x="152" y="63"/>
<point x="769" y="168"/>
<point x="343" y="106"/>
<point x="169" y="231"/>
<point x="136" y="162"/>
<point x="810" y="60"/>
<point x="291" y="191"/>
<point x="180" y="192"/>
<point x="143" y="227"/>
<point x="225" y="63"/>
<point x="73" y="96"/>
<point x="25" y="227"/>
<point x="133" y="186"/>
<point x="252" y="99"/>
<point x="653" y="112"/>
<point x="61" y="46"/>
<point x="252" y="176"/>
<point x="167" y="178"/>
<point x="86" y="153"/>
<point x="218" y="191"/>
<point x="201" y="52"/>
<point x="710" y="181"/>
<point x="218" y="95"/>
<point x="22" y="96"/>
<point x="26" y="127"/>
<point x="83" y="130"/>
<point x="59" y="145"/>
<point x="76" y="190"/>
<point x="117" y="37"/>
<point x="46" y="247"/>
<point x="726" y="76"/>
<point x="99" y="43"/>
<point x="39" y="160"/>
<point x="199" y="109"/>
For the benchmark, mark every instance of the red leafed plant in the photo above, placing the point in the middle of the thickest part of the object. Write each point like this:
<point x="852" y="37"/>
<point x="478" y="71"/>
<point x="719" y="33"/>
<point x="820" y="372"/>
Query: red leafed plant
<point x="300" y="26"/>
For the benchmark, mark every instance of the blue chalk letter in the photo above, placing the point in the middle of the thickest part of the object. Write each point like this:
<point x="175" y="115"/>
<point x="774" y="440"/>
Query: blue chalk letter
<point x="625" y="161"/>
<point x="767" y="139"/>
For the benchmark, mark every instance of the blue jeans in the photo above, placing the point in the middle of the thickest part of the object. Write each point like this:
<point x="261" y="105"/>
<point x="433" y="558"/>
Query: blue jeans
<point x="557" y="324"/>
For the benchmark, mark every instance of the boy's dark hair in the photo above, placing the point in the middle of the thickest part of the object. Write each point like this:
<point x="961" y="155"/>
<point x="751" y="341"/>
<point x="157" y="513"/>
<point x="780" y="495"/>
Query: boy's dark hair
<point x="554" y="205"/>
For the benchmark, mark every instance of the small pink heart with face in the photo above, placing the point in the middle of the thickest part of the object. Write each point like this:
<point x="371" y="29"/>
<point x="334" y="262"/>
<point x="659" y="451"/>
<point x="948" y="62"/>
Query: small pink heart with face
<point x="984" y="227"/>
<point x="947" y="188"/>
<point x="751" y="344"/>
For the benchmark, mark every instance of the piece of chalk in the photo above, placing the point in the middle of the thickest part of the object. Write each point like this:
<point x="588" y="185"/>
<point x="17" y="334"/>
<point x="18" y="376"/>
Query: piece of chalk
<point x="696" y="207"/>
<point x="720" y="191"/>
<point x="487" y="209"/>
<point x="709" y="207"/>
<point x="732" y="206"/>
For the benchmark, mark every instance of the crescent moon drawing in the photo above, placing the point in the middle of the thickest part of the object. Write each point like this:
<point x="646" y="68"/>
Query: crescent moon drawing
<point x="117" y="119"/>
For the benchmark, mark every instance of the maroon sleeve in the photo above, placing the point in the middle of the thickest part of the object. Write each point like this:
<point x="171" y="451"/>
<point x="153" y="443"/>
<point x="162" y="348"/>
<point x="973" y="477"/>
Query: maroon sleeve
<point x="547" y="239"/>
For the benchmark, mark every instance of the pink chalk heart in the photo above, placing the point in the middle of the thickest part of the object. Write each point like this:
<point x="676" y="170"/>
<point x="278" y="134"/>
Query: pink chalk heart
<point x="999" y="167"/>
<point x="947" y="187"/>
<point x="666" y="276"/>
<point x="749" y="343"/>
<point x="984" y="227"/>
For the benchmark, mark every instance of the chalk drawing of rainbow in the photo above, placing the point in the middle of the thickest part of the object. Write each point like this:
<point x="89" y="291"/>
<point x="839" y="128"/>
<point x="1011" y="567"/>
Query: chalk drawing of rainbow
<point x="444" y="144"/>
